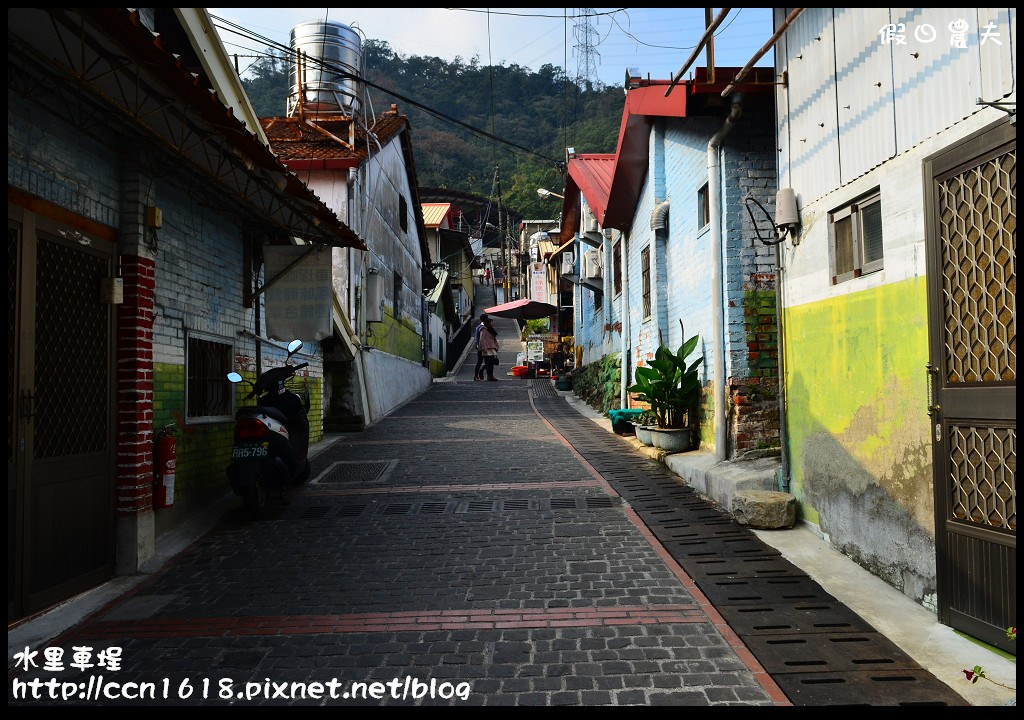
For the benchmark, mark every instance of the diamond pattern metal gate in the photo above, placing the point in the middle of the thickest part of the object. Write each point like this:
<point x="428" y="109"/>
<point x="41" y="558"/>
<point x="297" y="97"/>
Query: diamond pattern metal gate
<point x="972" y="255"/>
<point x="60" y="454"/>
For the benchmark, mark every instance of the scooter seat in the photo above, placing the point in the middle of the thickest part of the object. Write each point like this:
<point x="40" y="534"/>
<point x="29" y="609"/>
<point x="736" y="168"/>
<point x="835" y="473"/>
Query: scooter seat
<point x="271" y="411"/>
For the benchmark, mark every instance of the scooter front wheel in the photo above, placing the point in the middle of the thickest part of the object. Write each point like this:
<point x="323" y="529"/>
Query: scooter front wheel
<point x="255" y="499"/>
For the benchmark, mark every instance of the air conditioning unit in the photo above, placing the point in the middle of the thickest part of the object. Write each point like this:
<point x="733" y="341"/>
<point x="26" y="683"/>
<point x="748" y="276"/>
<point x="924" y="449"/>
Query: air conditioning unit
<point x="592" y="264"/>
<point x="568" y="262"/>
<point x="589" y="220"/>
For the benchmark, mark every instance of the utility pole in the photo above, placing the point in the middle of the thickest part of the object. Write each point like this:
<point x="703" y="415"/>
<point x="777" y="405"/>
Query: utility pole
<point x="507" y="283"/>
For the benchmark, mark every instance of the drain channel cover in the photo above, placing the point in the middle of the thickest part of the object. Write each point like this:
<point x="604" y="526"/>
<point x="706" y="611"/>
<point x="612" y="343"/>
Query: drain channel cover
<point x="356" y="471"/>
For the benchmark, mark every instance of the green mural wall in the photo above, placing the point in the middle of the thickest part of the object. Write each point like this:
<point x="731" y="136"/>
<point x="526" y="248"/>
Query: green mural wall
<point x="204" y="449"/>
<point x="397" y="337"/>
<point x="856" y="399"/>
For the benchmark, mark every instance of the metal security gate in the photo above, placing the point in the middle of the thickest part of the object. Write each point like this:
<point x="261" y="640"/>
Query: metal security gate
<point x="972" y="249"/>
<point x="60" y="475"/>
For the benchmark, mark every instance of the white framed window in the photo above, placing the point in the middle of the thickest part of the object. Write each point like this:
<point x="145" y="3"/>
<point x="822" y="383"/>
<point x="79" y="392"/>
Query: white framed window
<point x="703" y="207"/>
<point x="645" y="278"/>
<point x="855" y="238"/>
<point x="209" y="396"/>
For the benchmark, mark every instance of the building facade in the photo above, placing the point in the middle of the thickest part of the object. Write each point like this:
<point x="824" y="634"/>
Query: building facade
<point x="899" y="319"/>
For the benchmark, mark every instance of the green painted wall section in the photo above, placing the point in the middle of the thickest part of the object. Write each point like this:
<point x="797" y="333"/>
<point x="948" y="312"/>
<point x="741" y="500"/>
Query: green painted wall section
<point x="204" y="450"/>
<point x="857" y="397"/>
<point x="438" y="368"/>
<point x="396" y="337"/>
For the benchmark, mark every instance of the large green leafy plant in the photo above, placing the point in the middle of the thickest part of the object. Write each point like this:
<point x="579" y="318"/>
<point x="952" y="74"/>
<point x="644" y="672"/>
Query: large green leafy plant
<point x="669" y="385"/>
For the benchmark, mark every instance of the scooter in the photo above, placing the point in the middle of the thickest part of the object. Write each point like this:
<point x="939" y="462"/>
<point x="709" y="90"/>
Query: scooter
<point x="271" y="438"/>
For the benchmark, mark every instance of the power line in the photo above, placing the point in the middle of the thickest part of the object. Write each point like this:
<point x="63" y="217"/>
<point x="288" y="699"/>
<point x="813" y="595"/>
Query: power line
<point x="539" y="15"/>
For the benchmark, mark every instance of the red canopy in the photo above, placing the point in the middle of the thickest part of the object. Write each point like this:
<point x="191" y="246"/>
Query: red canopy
<point x="525" y="309"/>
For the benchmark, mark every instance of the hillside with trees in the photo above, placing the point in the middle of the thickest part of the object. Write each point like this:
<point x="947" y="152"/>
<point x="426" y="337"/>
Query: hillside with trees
<point x="542" y="112"/>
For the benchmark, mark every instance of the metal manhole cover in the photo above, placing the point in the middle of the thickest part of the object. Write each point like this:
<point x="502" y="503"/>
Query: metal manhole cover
<point x="356" y="471"/>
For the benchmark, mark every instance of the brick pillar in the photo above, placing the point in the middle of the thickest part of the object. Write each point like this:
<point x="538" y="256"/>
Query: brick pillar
<point x="134" y="504"/>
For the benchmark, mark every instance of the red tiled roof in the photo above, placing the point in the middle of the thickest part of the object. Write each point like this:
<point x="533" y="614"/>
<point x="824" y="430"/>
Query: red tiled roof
<point x="298" y="139"/>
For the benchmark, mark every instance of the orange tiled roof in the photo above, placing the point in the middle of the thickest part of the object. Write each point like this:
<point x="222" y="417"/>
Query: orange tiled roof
<point x="295" y="138"/>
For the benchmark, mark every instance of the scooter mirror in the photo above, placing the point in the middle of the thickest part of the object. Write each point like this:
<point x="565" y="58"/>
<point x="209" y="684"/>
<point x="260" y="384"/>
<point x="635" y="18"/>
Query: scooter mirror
<point x="234" y="377"/>
<point x="294" y="346"/>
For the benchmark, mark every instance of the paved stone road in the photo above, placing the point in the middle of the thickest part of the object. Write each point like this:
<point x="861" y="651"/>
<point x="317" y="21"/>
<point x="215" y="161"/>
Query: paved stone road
<point x="459" y="541"/>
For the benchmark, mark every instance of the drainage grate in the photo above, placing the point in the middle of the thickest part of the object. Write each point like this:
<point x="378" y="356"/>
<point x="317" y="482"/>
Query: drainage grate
<point x="762" y="590"/>
<point x="356" y="471"/>
<point x="747" y="567"/>
<point x="891" y="687"/>
<point x="563" y="504"/>
<point x="599" y="503"/>
<point x="354" y="510"/>
<point x="433" y="508"/>
<point x="480" y="506"/>
<point x="790" y="619"/>
<point x="315" y="512"/>
<point x="397" y="509"/>
<point x="828" y="652"/>
<point x="516" y="505"/>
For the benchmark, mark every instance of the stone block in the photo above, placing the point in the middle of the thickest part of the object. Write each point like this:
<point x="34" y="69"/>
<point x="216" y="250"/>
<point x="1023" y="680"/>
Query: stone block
<point x="764" y="509"/>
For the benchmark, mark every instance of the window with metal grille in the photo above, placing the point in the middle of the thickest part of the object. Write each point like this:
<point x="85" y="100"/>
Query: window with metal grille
<point x="617" y="269"/>
<point x="855" y="238"/>
<point x="397" y="296"/>
<point x="645" y="274"/>
<point x="208" y="394"/>
<point x="703" y="207"/>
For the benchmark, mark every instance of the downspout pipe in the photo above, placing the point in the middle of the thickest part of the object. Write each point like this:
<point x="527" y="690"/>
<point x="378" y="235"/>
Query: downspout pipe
<point x="624" y="319"/>
<point x="717" y="282"/>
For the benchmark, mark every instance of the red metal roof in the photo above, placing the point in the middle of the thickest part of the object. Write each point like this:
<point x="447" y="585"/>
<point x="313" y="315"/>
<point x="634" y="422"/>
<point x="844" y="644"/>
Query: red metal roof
<point x="592" y="175"/>
<point x="642" y="106"/>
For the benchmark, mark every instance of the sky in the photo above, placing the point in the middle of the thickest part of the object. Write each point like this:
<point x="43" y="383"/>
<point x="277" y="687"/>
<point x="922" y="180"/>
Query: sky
<point x="657" y="41"/>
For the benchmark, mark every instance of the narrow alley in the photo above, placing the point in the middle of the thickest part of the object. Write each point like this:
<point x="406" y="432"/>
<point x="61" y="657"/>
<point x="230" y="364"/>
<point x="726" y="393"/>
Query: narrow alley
<point x="485" y="544"/>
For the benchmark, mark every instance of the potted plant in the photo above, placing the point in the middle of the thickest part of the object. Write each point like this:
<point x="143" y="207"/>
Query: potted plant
<point x="643" y="426"/>
<point x="672" y="387"/>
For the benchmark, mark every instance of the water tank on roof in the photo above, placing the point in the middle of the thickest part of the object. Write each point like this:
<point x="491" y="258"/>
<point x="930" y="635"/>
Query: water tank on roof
<point x="330" y="51"/>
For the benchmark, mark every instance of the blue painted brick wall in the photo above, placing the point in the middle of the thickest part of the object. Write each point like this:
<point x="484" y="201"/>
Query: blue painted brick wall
<point x="60" y="164"/>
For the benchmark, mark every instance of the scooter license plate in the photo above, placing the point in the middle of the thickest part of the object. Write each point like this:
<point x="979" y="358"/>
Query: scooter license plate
<point x="246" y="453"/>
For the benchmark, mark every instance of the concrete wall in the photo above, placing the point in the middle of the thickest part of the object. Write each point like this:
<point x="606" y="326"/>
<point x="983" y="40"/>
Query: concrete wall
<point x="392" y="381"/>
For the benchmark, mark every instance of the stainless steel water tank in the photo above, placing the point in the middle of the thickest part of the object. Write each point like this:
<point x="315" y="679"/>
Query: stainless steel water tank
<point x="325" y="89"/>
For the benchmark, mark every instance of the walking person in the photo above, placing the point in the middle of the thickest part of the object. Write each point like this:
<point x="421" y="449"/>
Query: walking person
<point x="488" y="345"/>
<point x="478" y="373"/>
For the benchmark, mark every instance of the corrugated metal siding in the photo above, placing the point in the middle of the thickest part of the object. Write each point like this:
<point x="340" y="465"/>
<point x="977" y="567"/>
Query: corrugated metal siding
<point x="812" y="103"/>
<point x="998" y="61"/>
<point x="433" y="213"/>
<point x="782" y="127"/>
<point x="940" y="86"/>
<point x="864" y="91"/>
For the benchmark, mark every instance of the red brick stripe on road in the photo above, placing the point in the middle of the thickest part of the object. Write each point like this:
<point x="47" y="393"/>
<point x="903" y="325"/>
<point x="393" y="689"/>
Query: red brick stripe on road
<point x="393" y="622"/>
<point x="316" y="490"/>
<point x="742" y="652"/>
<point x="582" y="460"/>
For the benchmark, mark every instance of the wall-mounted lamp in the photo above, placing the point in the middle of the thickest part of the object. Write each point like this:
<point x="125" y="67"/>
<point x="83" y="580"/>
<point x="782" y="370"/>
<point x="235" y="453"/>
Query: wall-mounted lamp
<point x="787" y="217"/>
<point x="544" y="192"/>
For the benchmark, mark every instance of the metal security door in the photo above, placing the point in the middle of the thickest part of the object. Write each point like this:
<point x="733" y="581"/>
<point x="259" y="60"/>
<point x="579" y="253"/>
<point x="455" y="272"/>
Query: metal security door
<point x="60" y="445"/>
<point x="973" y="331"/>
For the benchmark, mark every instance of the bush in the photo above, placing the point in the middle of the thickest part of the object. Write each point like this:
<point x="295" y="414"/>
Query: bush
<point x="598" y="383"/>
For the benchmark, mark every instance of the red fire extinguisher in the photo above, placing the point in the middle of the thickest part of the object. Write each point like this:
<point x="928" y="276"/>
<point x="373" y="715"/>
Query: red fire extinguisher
<point x="163" y="467"/>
